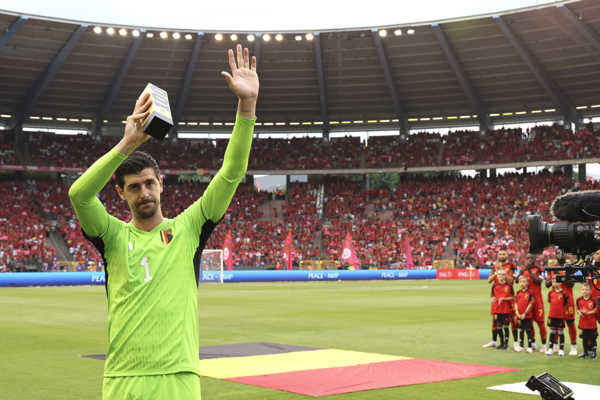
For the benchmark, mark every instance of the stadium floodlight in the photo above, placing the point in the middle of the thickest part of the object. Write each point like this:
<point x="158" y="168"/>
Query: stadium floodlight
<point x="581" y="108"/>
<point x="595" y="106"/>
<point x="164" y="35"/>
<point x="425" y="119"/>
<point x="413" y="119"/>
<point x="34" y="117"/>
<point x="452" y="117"/>
<point x="135" y="33"/>
<point x="219" y="37"/>
<point x="110" y="31"/>
<point x="309" y="36"/>
<point x="176" y="35"/>
<point x="104" y="122"/>
<point x="86" y="120"/>
<point x="62" y="119"/>
<point x="47" y="118"/>
<point x="5" y="115"/>
<point x="550" y="110"/>
<point x="410" y="31"/>
<point x="250" y="38"/>
<point x="188" y="36"/>
<point x="398" y="32"/>
<point x="233" y="37"/>
<point x="98" y="29"/>
<point x="267" y="37"/>
<point x="438" y="118"/>
<point x="494" y="114"/>
<point x="536" y="111"/>
<point x="359" y="121"/>
<point x="123" y="32"/>
<point x="468" y="116"/>
<point x="521" y="112"/>
<point x="279" y="37"/>
<point x="298" y="38"/>
<point x="382" y="33"/>
<point x="150" y="35"/>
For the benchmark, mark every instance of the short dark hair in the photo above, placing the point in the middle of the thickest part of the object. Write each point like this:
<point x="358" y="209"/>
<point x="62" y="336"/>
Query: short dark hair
<point x="134" y="164"/>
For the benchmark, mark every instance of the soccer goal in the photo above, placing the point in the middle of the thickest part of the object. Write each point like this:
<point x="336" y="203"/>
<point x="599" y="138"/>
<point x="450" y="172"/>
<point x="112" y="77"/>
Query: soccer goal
<point x="212" y="260"/>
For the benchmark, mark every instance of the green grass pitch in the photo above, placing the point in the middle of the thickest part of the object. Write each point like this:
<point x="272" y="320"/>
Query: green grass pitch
<point x="43" y="332"/>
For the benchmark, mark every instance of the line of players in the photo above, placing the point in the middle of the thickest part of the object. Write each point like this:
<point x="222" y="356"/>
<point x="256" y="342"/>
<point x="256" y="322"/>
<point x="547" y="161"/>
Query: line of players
<point x="521" y="310"/>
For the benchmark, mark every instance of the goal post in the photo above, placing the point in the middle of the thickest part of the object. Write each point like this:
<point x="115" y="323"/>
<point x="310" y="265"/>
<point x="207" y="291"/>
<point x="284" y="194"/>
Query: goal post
<point x="212" y="260"/>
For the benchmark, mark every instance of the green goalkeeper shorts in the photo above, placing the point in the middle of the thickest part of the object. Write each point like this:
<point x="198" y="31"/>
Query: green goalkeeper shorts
<point x="181" y="386"/>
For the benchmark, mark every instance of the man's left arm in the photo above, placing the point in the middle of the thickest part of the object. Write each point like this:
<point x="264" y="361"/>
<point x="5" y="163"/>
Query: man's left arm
<point x="243" y="82"/>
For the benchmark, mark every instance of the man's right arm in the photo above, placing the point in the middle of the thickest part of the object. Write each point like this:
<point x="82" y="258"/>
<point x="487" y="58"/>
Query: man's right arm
<point x="92" y="216"/>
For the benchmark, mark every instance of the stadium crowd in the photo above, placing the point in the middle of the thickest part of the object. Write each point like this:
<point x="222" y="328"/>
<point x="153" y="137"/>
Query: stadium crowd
<point x="417" y="150"/>
<point x="464" y="218"/>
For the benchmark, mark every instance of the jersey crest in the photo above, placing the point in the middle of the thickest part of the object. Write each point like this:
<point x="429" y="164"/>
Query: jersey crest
<point x="166" y="235"/>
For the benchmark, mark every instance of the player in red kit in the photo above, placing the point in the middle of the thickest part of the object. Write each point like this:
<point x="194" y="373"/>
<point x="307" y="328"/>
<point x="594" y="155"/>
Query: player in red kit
<point x="558" y="304"/>
<point x="534" y="275"/>
<point x="503" y="297"/>
<point x="587" y="308"/>
<point x="524" y="306"/>
<point x="502" y="264"/>
<point x="569" y="310"/>
<point x="595" y="284"/>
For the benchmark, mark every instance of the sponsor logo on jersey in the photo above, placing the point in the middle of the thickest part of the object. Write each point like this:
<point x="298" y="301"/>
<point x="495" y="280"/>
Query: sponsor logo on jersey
<point x="166" y="236"/>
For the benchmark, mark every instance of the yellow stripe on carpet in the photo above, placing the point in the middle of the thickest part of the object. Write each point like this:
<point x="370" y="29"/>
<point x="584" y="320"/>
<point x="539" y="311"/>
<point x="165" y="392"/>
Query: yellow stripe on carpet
<point x="232" y="367"/>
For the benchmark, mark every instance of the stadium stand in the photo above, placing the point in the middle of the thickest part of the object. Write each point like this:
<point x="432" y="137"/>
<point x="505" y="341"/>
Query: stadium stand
<point x="418" y="150"/>
<point x="468" y="218"/>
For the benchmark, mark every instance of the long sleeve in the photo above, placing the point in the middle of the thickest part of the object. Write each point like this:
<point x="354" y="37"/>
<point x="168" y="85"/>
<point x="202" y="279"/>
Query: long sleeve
<point x="217" y="196"/>
<point x="83" y="193"/>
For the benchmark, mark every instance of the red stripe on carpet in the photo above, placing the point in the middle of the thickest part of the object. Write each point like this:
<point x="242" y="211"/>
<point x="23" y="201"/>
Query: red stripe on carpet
<point x="328" y="381"/>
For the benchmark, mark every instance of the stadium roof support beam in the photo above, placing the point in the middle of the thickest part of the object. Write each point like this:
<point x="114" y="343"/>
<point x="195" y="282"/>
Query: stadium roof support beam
<point x="558" y="97"/>
<point x="479" y="108"/>
<point x="590" y="34"/>
<point x="383" y="60"/>
<point x="42" y="83"/>
<point x="12" y="30"/>
<point x="184" y="90"/>
<point x="257" y="52"/>
<point x="117" y="82"/>
<point x="321" y="78"/>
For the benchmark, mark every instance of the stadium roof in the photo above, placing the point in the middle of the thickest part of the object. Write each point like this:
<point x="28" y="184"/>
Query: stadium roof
<point x="543" y="61"/>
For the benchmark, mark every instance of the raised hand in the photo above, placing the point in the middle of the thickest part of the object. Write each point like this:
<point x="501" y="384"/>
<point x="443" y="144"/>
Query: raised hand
<point x="134" y="135"/>
<point x="243" y="80"/>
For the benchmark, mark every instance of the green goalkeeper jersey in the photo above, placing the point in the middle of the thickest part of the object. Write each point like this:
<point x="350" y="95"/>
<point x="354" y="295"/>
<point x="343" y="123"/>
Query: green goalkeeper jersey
<point x="152" y="277"/>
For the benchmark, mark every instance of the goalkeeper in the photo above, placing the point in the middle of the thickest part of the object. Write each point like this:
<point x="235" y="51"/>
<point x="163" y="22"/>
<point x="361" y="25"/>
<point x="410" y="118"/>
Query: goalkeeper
<point x="152" y="263"/>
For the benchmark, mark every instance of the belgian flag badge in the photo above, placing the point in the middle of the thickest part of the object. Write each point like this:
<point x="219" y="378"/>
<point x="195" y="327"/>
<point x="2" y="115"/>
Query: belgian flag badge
<point x="166" y="236"/>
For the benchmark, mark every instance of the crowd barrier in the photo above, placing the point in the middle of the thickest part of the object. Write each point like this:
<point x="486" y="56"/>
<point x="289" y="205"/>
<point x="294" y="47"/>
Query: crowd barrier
<point x="97" y="278"/>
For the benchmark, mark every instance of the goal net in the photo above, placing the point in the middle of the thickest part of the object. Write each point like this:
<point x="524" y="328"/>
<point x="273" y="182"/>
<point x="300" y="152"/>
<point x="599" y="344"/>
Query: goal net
<point x="212" y="260"/>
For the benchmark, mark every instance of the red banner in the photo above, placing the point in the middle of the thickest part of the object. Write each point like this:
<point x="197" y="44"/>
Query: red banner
<point x="288" y="251"/>
<point x="457" y="274"/>
<point x="348" y="253"/>
<point x="228" y="251"/>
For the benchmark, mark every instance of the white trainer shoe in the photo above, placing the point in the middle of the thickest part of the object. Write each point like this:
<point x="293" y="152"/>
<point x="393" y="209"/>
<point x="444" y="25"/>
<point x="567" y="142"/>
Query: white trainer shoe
<point x="561" y="353"/>
<point x="534" y="346"/>
<point x="573" y="351"/>
<point x="543" y="348"/>
<point x="517" y="347"/>
<point x="555" y="347"/>
<point x="529" y="350"/>
<point x="490" y="344"/>
<point x="549" y="352"/>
